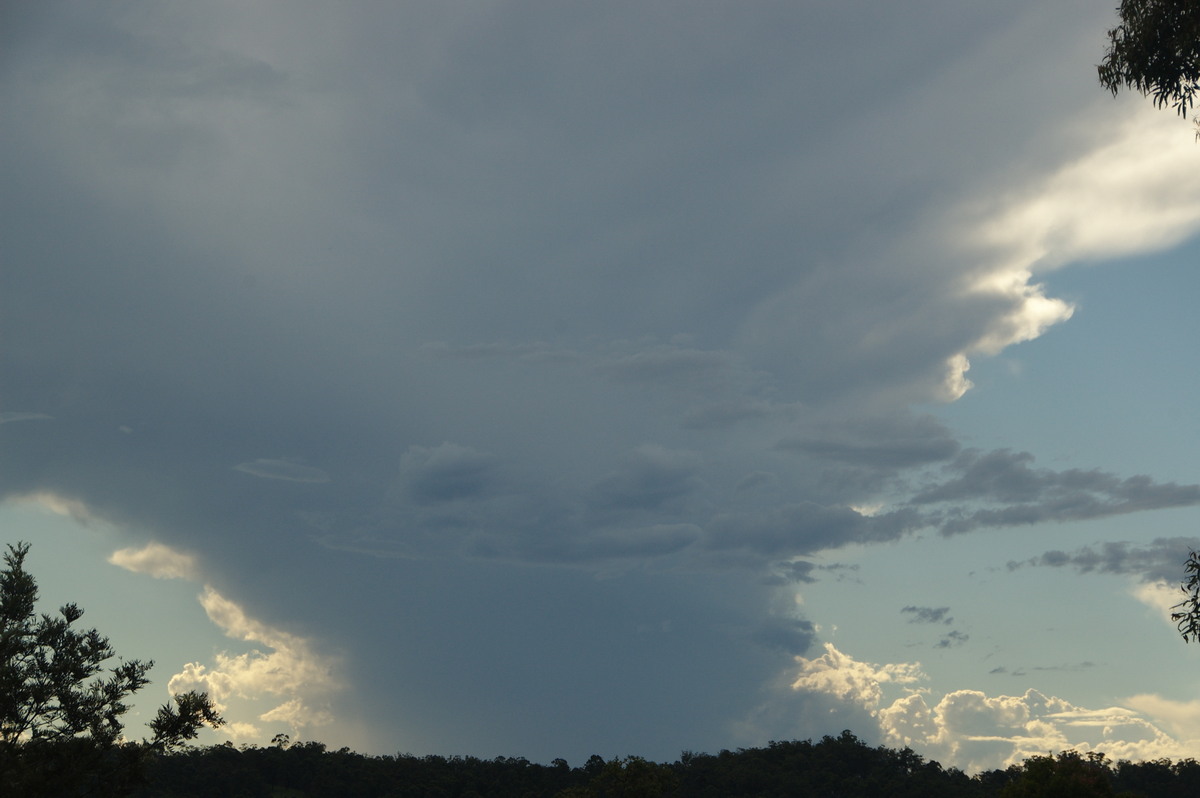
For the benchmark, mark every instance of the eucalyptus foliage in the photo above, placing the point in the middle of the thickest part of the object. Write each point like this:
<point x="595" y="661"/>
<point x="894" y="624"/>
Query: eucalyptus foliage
<point x="1187" y="619"/>
<point x="1156" y="50"/>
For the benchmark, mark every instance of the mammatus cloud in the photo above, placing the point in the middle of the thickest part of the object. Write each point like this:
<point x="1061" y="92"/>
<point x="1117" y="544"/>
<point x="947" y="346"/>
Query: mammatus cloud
<point x="969" y="729"/>
<point x="289" y="668"/>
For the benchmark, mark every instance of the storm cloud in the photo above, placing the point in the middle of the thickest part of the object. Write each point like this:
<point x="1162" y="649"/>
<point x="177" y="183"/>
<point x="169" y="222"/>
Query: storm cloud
<point x="520" y="352"/>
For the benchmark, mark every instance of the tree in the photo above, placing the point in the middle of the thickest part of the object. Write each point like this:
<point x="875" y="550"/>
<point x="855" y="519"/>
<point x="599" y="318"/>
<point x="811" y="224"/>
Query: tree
<point x="1156" y="50"/>
<point x="1187" y="619"/>
<point x="60" y="713"/>
<point x="1071" y="775"/>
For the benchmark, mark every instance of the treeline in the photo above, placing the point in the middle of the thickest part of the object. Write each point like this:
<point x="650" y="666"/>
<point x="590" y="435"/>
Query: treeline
<point x="842" y="766"/>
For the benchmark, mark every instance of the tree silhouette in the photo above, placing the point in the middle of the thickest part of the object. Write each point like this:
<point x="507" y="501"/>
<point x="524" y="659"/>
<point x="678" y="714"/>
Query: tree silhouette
<point x="1187" y="619"/>
<point x="1156" y="50"/>
<point x="60" y="712"/>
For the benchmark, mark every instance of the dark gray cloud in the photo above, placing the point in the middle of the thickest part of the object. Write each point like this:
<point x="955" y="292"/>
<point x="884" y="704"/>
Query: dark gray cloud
<point x="651" y="478"/>
<point x="940" y="616"/>
<point x="1159" y="560"/>
<point x="805" y="528"/>
<point x="1014" y="493"/>
<point x="928" y="614"/>
<point x="446" y="472"/>
<point x="953" y="638"/>
<point x="472" y="339"/>
<point x="877" y="443"/>
<point x="1021" y="672"/>
<point x="789" y="635"/>
<point x="803" y="571"/>
<point x="287" y="470"/>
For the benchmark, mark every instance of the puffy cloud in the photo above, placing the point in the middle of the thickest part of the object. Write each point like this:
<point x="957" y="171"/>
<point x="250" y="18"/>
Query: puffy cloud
<point x="975" y="731"/>
<point x="1181" y="718"/>
<point x="850" y="680"/>
<point x="157" y="560"/>
<point x="290" y="669"/>
<point x="1163" y="596"/>
<point x="970" y="729"/>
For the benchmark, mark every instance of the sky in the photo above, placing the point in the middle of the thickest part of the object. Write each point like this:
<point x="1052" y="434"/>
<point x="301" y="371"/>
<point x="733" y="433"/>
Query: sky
<point x="547" y="380"/>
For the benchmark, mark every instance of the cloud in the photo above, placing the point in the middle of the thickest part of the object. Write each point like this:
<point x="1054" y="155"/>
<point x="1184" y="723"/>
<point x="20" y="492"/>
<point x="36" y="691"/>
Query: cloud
<point x="793" y="636"/>
<point x="672" y="365"/>
<point x="722" y="415"/>
<point x="60" y="505"/>
<point x="1162" y="596"/>
<point x="967" y="728"/>
<point x="953" y="638"/>
<point x="1180" y="718"/>
<point x="805" y="528"/>
<point x="850" y="680"/>
<point x="883" y="443"/>
<point x="157" y="560"/>
<point x="529" y="327"/>
<point x="1023" y="495"/>
<point x="290" y="669"/>
<point x="651" y="477"/>
<point x="445" y="473"/>
<point x="285" y="470"/>
<point x="10" y="416"/>
<point x="1114" y="200"/>
<point x="1159" y="561"/>
<point x="928" y="614"/>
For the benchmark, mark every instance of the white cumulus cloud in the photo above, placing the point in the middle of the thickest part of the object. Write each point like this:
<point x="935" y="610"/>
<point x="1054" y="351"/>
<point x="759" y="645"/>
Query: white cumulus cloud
<point x="157" y="560"/>
<point x="290" y="668"/>
<point x="970" y="729"/>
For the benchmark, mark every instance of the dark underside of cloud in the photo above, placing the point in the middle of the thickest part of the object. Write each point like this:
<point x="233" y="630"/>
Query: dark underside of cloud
<point x="1161" y="560"/>
<point x="525" y="350"/>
